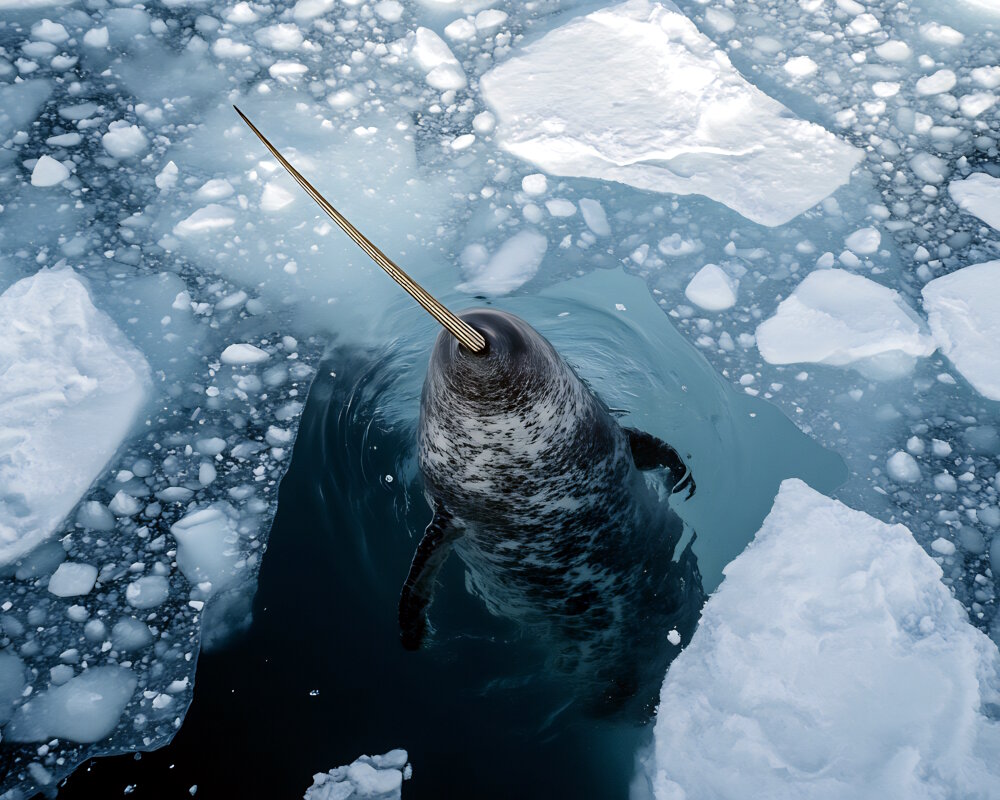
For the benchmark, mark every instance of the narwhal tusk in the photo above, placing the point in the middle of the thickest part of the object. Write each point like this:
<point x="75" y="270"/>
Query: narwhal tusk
<point x="461" y="330"/>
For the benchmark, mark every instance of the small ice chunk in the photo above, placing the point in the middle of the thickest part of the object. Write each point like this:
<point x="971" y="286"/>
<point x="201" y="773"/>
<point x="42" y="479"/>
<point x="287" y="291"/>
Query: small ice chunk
<point x="490" y="19"/>
<point x="435" y="58"/>
<point x="902" y="467"/>
<point x="594" y="217"/>
<point x="214" y="189"/>
<point x="975" y="103"/>
<point x="800" y="66"/>
<point x="894" y="50"/>
<point x="685" y="125"/>
<point x="941" y="34"/>
<point x="167" y="177"/>
<point x="210" y="218"/>
<point x="987" y="77"/>
<point x="863" y="24"/>
<point x="306" y="10"/>
<point x="941" y="81"/>
<point x="929" y="167"/>
<point x="12" y="683"/>
<point x="243" y="354"/>
<point x="839" y="318"/>
<point x="206" y="547"/>
<point x="283" y="37"/>
<point x="130" y="635"/>
<point x="96" y="37"/>
<point x="560" y="207"/>
<point x="45" y="30"/>
<point x="123" y="141"/>
<point x="512" y="265"/>
<point x="149" y="591"/>
<point x="374" y="777"/>
<point x="48" y="172"/>
<point x="943" y="546"/>
<point x="275" y="197"/>
<point x="124" y="505"/>
<point x="389" y="10"/>
<point x="534" y="184"/>
<point x="832" y="662"/>
<point x="963" y="310"/>
<point x="84" y="709"/>
<point x="460" y="30"/>
<point x="712" y="289"/>
<point x="864" y="242"/>
<point x="979" y="194"/>
<point x="72" y="579"/>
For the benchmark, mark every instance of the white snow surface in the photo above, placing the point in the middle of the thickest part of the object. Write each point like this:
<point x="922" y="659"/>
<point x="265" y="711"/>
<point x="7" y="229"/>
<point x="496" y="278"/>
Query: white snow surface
<point x="839" y="318"/>
<point x="634" y="93"/>
<point x="369" y="777"/>
<point x="71" y="386"/>
<point x="979" y="194"/>
<point x="832" y="662"/>
<point x="963" y="310"/>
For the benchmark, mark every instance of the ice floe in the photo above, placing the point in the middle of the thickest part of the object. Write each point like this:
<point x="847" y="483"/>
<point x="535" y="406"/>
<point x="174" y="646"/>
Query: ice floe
<point x="712" y="289"/>
<point x="366" y="778"/>
<point x="839" y="318"/>
<point x="963" y="310"/>
<point x="513" y="264"/>
<point x="71" y="388"/>
<point x="635" y="93"/>
<point x="832" y="662"/>
<point x="979" y="194"/>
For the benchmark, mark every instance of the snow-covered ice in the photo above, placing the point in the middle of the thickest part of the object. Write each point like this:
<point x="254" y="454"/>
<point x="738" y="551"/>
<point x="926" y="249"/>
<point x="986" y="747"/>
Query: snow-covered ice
<point x="832" y="662"/>
<point x="963" y="309"/>
<point x="368" y="777"/>
<point x="840" y="318"/>
<point x="635" y="93"/>
<point x="979" y="194"/>
<point x="71" y="386"/>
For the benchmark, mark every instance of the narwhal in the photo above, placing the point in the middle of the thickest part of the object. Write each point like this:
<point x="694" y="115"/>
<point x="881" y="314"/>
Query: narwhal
<point x="541" y="493"/>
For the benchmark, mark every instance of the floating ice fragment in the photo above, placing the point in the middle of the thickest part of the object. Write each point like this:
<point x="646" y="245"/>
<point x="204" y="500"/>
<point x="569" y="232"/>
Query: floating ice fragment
<point x="210" y="218"/>
<point x="902" y="467"/>
<point x="72" y="580"/>
<point x="863" y="24"/>
<point x="832" y="662"/>
<point x="370" y="777"/>
<point x="96" y="37"/>
<point x="207" y="547"/>
<point x="84" y="709"/>
<point x="283" y="37"/>
<point x="513" y="264"/>
<point x="48" y="172"/>
<point x="839" y="318"/>
<point x="929" y="167"/>
<point x="941" y="81"/>
<point x="594" y="217"/>
<point x="864" y="242"/>
<point x="689" y="122"/>
<point x="800" y="66"/>
<point x="435" y="58"/>
<point x="979" y="194"/>
<point x="894" y="50"/>
<point x="130" y="635"/>
<point x="535" y="184"/>
<point x="963" y="310"/>
<point x="712" y="289"/>
<point x="72" y="386"/>
<point x="214" y="189"/>
<point x="124" y="141"/>
<point x="242" y="354"/>
<point x="275" y="197"/>
<point x="389" y="10"/>
<point x="149" y="591"/>
<point x="167" y="177"/>
<point x="305" y="10"/>
<point x="941" y="34"/>
<point x="45" y="30"/>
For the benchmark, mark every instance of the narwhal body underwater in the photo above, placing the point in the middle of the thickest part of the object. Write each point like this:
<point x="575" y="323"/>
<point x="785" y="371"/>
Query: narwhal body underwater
<point x="541" y="493"/>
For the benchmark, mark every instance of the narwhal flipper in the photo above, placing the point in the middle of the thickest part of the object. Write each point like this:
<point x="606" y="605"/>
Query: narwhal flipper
<point x="648" y="452"/>
<point x="418" y="591"/>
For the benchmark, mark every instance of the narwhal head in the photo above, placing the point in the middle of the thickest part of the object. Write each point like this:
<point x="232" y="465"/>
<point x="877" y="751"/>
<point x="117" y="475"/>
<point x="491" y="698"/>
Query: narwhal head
<point x="516" y="366"/>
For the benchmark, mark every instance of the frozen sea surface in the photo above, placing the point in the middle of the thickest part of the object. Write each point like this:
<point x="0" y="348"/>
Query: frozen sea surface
<point x="809" y="144"/>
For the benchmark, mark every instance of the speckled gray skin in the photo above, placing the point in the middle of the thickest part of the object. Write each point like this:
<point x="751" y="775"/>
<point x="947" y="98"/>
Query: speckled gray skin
<point x="536" y="485"/>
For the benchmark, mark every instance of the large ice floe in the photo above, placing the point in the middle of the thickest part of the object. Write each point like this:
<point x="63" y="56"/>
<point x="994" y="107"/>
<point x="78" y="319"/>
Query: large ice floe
<point x="635" y="93"/>
<point x="71" y="386"/>
<point x="831" y="663"/>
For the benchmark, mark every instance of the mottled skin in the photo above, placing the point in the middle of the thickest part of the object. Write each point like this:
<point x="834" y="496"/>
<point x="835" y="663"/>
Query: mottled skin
<point x="537" y="487"/>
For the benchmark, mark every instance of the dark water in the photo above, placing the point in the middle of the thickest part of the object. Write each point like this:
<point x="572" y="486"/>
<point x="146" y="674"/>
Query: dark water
<point x="321" y="678"/>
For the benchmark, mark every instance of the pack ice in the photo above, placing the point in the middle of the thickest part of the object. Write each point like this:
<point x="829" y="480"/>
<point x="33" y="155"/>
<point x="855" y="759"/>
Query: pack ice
<point x="368" y="777"/>
<point x="635" y="93"/>
<point x="70" y="388"/>
<point x="832" y="662"/>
